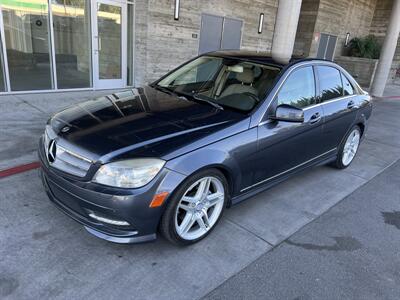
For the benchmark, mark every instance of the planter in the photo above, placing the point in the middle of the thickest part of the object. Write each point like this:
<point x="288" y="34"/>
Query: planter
<point x="362" y="69"/>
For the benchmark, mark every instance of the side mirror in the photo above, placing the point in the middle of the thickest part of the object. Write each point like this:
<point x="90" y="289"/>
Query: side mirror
<point x="288" y="113"/>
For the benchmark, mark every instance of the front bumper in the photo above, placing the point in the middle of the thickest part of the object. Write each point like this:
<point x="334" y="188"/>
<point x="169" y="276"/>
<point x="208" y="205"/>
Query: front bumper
<point x="80" y="200"/>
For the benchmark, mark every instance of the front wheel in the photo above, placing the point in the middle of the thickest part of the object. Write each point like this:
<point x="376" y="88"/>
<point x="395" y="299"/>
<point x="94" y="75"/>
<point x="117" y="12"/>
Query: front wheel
<point x="348" y="149"/>
<point x="195" y="208"/>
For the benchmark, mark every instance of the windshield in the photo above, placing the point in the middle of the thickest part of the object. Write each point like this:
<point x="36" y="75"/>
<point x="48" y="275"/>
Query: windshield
<point x="229" y="83"/>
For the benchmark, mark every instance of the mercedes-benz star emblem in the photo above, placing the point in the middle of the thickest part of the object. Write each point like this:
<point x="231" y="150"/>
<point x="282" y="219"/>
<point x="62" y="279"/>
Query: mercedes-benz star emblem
<point x="51" y="153"/>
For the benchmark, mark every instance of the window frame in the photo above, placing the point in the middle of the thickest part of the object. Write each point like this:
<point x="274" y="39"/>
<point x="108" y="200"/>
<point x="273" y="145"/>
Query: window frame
<point x="316" y="88"/>
<point x="262" y="114"/>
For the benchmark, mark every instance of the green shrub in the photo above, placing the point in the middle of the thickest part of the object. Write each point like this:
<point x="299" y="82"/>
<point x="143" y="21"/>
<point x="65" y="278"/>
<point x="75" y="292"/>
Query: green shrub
<point x="367" y="47"/>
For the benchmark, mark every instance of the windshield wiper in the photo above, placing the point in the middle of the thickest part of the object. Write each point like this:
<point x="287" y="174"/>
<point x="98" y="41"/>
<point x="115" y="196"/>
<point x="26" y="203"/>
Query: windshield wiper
<point x="165" y="90"/>
<point x="170" y="92"/>
<point x="216" y="105"/>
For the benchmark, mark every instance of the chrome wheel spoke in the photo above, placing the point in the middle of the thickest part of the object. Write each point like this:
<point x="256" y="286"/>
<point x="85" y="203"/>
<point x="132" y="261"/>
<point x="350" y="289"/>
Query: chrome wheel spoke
<point x="189" y="199"/>
<point x="203" y="189"/>
<point x="214" y="199"/>
<point x="185" y="207"/>
<point x="203" y="225"/>
<point x="205" y="218"/>
<point x="187" y="223"/>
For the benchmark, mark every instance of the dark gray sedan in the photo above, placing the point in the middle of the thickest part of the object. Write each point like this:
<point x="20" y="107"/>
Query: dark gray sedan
<point x="171" y="156"/>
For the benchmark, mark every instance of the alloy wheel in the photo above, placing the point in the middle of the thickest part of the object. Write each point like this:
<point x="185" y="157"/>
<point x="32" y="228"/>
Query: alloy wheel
<point x="199" y="208"/>
<point x="351" y="147"/>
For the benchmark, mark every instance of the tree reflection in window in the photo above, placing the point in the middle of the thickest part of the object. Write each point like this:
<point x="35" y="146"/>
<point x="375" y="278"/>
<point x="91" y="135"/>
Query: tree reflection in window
<point x="330" y="83"/>
<point x="299" y="89"/>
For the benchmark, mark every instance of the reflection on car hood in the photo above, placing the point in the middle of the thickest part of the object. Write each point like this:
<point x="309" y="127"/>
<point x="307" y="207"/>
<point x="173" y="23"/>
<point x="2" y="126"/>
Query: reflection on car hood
<point x="139" y="122"/>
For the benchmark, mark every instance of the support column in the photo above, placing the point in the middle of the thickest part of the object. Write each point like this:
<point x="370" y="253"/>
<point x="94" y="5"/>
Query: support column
<point x="387" y="51"/>
<point x="286" y="22"/>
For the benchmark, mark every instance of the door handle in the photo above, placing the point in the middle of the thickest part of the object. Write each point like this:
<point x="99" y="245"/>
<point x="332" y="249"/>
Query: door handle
<point x="351" y="104"/>
<point x="315" y="118"/>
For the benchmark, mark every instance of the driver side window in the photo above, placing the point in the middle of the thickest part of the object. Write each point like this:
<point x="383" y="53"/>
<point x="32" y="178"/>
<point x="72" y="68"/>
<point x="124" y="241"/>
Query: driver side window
<point x="298" y="89"/>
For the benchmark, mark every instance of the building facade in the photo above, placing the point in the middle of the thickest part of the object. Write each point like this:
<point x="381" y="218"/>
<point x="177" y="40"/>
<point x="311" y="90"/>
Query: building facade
<point x="62" y="45"/>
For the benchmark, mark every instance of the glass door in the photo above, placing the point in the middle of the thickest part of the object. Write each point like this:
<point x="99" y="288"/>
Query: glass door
<point x="109" y="44"/>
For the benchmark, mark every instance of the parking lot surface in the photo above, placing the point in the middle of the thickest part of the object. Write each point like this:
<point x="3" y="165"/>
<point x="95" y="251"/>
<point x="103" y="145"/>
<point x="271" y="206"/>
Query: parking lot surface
<point x="350" y="252"/>
<point x="45" y="254"/>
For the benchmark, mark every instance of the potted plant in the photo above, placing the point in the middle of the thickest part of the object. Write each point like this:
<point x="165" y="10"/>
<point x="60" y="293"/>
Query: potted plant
<point x="361" y="59"/>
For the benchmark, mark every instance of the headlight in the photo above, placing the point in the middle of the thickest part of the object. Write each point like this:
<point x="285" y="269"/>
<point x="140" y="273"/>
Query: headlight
<point x="131" y="173"/>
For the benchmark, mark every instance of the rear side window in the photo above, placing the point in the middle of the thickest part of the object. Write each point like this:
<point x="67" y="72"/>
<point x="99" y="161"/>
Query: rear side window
<point x="299" y="89"/>
<point x="347" y="87"/>
<point x="330" y="83"/>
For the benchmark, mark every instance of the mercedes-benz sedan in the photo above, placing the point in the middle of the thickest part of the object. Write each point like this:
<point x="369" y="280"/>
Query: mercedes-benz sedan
<point x="171" y="156"/>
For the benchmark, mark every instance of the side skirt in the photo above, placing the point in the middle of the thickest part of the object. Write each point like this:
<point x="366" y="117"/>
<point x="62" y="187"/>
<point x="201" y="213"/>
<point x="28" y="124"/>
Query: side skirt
<point x="254" y="191"/>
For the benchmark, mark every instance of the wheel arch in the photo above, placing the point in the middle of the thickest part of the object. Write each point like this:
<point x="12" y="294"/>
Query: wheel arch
<point x="362" y="127"/>
<point x="205" y="159"/>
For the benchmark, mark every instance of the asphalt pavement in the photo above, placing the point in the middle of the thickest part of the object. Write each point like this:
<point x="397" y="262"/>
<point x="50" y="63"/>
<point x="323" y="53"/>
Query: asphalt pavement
<point x="350" y="252"/>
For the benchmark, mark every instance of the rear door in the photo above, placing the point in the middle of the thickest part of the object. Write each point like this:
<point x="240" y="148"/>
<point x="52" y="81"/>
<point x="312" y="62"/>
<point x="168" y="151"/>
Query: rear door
<point x="339" y="102"/>
<point x="284" y="146"/>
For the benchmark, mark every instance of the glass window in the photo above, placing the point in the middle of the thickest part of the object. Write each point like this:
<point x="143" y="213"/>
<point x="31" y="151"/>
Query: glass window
<point x="109" y="40"/>
<point x="2" y="82"/>
<point x="299" y="89"/>
<point x="26" y="33"/>
<point x="347" y="87"/>
<point x="329" y="82"/>
<point x="231" y="83"/>
<point x="71" y="20"/>
<point x="201" y="73"/>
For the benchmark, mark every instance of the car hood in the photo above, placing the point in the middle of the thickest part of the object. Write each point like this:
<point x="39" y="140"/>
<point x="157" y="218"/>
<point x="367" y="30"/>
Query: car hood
<point x="142" y="122"/>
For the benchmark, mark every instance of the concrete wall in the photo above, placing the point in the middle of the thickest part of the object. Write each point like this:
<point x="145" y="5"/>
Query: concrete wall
<point x="163" y="43"/>
<point x="378" y="28"/>
<point x="306" y="27"/>
<point x="332" y="17"/>
<point x="362" y="69"/>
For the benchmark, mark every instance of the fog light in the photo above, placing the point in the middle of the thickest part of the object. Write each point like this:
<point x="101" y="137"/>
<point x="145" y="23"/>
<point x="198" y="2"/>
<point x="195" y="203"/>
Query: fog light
<point x="109" y="221"/>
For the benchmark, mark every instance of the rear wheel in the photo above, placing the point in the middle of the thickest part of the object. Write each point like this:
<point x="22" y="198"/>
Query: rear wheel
<point x="195" y="208"/>
<point x="348" y="149"/>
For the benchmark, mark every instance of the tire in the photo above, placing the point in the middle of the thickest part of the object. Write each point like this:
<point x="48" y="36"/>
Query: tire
<point x="184" y="221"/>
<point x="343" y="161"/>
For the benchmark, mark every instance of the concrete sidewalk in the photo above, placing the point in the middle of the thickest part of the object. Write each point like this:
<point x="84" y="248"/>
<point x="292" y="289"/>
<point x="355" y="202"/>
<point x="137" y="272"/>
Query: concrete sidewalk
<point x="45" y="254"/>
<point x="22" y="121"/>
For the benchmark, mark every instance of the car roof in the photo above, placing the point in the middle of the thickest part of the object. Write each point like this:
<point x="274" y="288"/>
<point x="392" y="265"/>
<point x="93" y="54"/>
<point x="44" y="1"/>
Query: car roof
<point x="261" y="57"/>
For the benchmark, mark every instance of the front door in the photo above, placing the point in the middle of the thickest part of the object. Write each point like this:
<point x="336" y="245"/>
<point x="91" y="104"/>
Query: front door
<point x="285" y="146"/>
<point x="109" y="44"/>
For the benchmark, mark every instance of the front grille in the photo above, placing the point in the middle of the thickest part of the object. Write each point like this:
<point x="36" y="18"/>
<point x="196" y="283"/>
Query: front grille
<point x="65" y="159"/>
<point x="70" y="162"/>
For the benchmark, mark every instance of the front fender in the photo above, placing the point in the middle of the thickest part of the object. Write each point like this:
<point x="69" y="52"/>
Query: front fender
<point x="208" y="158"/>
<point x="234" y="156"/>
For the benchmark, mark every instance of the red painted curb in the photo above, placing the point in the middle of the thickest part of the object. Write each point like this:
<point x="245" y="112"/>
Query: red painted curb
<point x="388" y="98"/>
<point x="19" y="169"/>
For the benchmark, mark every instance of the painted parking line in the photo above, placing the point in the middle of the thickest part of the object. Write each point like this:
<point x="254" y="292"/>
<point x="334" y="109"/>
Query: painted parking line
<point x="19" y="169"/>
